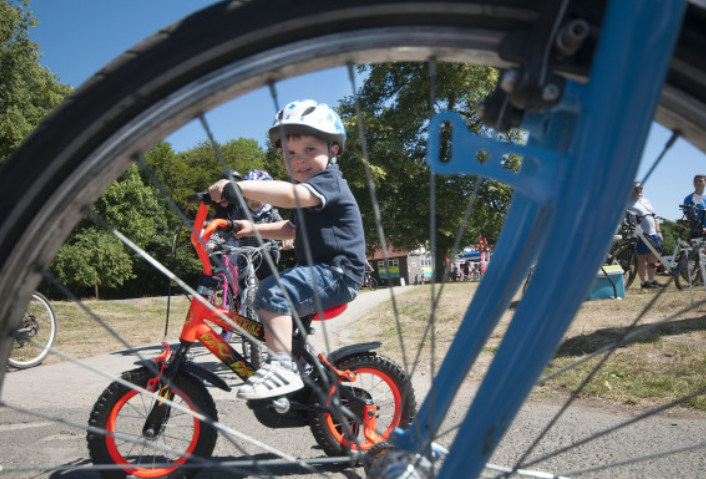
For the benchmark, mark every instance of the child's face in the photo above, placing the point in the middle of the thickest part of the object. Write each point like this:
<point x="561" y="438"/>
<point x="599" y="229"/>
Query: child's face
<point x="307" y="156"/>
<point x="254" y="205"/>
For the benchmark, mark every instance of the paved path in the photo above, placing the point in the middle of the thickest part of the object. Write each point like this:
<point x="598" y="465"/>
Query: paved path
<point x="68" y="391"/>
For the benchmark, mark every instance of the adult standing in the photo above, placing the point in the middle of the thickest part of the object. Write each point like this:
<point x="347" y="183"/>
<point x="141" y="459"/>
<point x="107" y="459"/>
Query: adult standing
<point x="641" y="212"/>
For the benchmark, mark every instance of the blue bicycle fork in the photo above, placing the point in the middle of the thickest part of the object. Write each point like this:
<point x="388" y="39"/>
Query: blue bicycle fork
<point x="590" y="143"/>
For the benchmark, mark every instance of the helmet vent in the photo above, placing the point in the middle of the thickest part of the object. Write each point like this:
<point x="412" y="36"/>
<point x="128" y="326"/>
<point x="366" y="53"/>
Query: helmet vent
<point x="308" y="110"/>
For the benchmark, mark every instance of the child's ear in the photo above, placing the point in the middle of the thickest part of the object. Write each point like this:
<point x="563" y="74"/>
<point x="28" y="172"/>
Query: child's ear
<point x="335" y="148"/>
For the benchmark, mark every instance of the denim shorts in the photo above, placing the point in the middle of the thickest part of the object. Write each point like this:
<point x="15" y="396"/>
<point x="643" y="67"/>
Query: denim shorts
<point x="332" y="286"/>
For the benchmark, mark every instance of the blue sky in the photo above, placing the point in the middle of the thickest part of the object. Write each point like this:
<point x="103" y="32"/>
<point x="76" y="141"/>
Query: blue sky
<point x="78" y="37"/>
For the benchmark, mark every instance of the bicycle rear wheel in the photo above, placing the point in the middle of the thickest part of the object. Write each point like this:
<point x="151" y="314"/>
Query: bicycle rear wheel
<point x="381" y="383"/>
<point x="236" y="47"/>
<point x="689" y="271"/>
<point x="38" y="325"/>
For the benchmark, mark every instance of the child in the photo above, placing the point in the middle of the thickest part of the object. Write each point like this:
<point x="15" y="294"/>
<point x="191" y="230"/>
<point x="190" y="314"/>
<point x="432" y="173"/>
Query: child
<point x="332" y="225"/>
<point x="261" y="213"/>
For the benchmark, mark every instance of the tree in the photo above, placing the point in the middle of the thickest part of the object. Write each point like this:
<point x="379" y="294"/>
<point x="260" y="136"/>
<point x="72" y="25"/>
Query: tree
<point x="92" y="258"/>
<point x="181" y="174"/>
<point x="395" y="106"/>
<point x="670" y="232"/>
<point x="28" y="91"/>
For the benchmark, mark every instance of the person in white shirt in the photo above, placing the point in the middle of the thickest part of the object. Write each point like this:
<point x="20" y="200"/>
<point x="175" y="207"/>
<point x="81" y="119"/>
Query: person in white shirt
<point x="642" y="212"/>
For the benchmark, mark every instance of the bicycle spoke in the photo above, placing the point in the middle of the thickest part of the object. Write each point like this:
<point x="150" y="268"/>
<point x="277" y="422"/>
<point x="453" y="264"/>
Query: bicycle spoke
<point x="236" y="70"/>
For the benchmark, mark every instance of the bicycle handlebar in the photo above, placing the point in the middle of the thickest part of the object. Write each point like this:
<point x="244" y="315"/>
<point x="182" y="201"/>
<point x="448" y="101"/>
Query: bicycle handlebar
<point x="199" y="239"/>
<point x="270" y="245"/>
<point x="204" y="198"/>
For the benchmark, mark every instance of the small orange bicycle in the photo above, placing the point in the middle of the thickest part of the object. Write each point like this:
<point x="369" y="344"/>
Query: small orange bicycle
<point x="352" y="399"/>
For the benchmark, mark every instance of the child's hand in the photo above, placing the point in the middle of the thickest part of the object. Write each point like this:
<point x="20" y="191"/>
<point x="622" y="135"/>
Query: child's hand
<point x="288" y="244"/>
<point x="243" y="228"/>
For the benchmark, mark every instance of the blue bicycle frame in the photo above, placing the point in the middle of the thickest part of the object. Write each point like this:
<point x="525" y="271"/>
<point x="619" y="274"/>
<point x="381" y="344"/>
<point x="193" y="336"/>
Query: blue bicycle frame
<point x="592" y="140"/>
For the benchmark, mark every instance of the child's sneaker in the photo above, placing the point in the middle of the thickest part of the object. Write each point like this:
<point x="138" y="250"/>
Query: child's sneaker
<point x="646" y="285"/>
<point x="271" y="380"/>
<point x="655" y="284"/>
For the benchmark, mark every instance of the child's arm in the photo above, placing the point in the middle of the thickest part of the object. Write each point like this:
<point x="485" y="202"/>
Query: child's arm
<point x="277" y="193"/>
<point x="282" y="230"/>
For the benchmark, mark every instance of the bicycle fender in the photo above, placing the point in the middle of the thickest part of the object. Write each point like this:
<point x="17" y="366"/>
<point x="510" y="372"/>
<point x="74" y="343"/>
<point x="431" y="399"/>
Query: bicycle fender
<point x="353" y="349"/>
<point x="198" y="371"/>
<point x="206" y="375"/>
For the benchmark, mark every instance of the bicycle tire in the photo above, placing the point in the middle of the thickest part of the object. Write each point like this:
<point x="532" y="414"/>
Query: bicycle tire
<point x="372" y="284"/>
<point x="396" y="405"/>
<point x="627" y="259"/>
<point x="117" y="412"/>
<point x="43" y="330"/>
<point x="83" y="150"/>
<point x="688" y="271"/>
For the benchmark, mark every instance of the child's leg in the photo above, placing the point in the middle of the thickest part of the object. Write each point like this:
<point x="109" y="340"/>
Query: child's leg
<point x="278" y="331"/>
<point x="279" y="376"/>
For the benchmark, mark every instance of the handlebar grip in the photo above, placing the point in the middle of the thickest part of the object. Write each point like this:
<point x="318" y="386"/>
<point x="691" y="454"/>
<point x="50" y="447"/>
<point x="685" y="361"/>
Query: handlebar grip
<point x="230" y="227"/>
<point x="199" y="197"/>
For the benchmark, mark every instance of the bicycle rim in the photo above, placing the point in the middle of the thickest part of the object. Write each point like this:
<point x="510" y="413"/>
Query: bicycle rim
<point x="37" y="335"/>
<point x="217" y="55"/>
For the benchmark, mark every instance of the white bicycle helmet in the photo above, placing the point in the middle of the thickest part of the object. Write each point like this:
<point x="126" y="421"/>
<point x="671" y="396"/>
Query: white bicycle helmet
<point x="307" y="117"/>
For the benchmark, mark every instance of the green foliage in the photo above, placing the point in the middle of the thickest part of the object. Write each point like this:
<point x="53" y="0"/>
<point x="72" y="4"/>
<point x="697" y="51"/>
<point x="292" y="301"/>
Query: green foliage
<point x="670" y="232"/>
<point x="395" y="109"/>
<point x="28" y="91"/>
<point x="92" y="257"/>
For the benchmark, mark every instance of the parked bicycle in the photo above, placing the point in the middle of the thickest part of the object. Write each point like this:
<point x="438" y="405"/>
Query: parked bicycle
<point x="692" y="261"/>
<point x="228" y="293"/>
<point x="625" y="255"/>
<point x="35" y="336"/>
<point x="353" y="398"/>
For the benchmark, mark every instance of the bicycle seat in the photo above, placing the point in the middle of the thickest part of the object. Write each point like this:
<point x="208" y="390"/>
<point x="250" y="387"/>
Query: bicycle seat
<point x="331" y="312"/>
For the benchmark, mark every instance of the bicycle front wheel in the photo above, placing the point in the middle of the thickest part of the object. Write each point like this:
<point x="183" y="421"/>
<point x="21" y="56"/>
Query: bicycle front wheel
<point x="36" y="335"/>
<point x="122" y="411"/>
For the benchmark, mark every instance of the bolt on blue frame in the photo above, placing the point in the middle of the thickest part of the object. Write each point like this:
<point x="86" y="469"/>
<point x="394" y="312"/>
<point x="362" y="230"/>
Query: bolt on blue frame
<point x="592" y="140"/>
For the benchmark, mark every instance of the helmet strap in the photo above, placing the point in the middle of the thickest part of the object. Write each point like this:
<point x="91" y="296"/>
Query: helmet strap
<point x="330" y="155"/>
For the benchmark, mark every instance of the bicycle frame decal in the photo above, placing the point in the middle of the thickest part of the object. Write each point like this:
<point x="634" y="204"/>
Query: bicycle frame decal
<point x="225" y="352"/>
<point x="251" y="327"/>
<point x="196" y="329"/>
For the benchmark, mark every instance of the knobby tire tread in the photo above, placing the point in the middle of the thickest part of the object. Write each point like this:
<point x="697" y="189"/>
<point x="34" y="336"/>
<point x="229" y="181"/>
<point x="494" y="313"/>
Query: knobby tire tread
<point x="187" y="384"/>
<point x="317" y="419"/>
